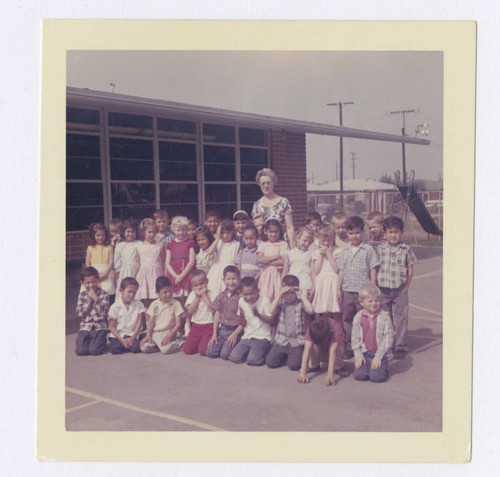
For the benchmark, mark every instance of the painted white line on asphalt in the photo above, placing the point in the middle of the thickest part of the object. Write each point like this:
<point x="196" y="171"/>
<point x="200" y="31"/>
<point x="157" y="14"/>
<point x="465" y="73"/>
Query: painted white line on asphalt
<point x="430" y="274"/>
<point x="427" y="346"/>
<point x="131" y="407"/>
<point x="425" y="309"/>
<point x="81" y="406"/>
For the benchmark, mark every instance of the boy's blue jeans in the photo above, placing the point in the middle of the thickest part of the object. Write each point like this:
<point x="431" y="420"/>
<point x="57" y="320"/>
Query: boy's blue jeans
<point x="365" y="373"/>
<point x="222" y="348"/>
<point x="395" y="302"/>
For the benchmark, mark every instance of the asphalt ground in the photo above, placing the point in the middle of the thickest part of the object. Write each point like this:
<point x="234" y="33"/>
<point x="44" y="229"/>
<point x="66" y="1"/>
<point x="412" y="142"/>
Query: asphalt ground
<point x="155" y="392"/>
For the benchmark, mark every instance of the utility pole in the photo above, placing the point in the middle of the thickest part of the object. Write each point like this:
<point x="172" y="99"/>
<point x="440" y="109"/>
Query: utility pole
<point x="404" y="113"/>
<point x="353" y="159"/>
<point x="337" y="170"/>
<point x="340" y="104"/>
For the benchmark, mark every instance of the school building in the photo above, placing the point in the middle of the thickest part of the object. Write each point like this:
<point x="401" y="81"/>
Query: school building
<point x="127" y="156"/>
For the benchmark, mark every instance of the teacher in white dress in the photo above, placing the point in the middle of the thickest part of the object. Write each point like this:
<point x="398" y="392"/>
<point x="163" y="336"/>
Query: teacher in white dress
<point x="272" y="205"/>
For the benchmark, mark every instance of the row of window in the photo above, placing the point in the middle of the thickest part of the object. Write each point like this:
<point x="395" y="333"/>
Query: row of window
<point x="222" y="172"/>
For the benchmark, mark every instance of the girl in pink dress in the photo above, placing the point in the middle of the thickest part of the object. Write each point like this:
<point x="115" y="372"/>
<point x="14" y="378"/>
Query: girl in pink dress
<point x="149" y="263"/>
<point x="270" y="256"/>
<point x="325" y="274"/>
<point x="180" y="259"/>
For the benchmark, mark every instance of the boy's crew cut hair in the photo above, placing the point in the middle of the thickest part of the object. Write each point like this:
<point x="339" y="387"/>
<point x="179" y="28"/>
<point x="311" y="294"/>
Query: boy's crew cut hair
<point x="354" y="222"/>
<point x="198" y="273"/>
<point x="212" y="213"/>
<point x="127" y="282"/>
<point x="376" y="216"/>
<point x="248" y="282"/>
<point x="339" y="216"/>
<point x="319" y="330"/>
<point x="88" y="272"/>
<point x="231" y="269"/>
<point x="368" y="289"/>
<point x="162" y="282"/>
<point x="115" y="222"/>
<point x="393" y="221"/>
<point x="290" y="281"/>
<point x="160" y="214"/>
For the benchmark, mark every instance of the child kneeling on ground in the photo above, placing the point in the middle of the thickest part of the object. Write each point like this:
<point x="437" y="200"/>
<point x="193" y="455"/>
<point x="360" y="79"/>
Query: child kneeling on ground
<point x="294" y="311"/>
<point x="92" y="309"/>
<point x="164" y="318"/>
<point x="199" y="315"/>
<point x="255" y="318"/>
<point x="323" y="338"/>
<point x="126" y="318"/>
<point x="372" y="337"/>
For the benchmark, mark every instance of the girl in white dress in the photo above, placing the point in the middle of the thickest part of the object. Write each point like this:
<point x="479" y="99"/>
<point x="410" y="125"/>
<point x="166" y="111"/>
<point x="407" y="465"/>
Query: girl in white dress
<point x="298" y="260"/>
<point x="203" y="238"/>
<point x="225" y="249"/>
<point x="126" y="253"/>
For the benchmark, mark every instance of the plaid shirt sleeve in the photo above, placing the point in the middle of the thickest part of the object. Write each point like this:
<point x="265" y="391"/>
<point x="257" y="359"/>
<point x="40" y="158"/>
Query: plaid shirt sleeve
<point x="385" y="334"/>
<point x="372" y="258"/>
<point x="410" y="257"/>
<point x="341" y="259"/>
<point x="83" y="305"/>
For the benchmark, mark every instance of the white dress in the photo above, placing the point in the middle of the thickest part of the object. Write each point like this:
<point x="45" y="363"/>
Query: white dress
<point x="226" y="253"/>
<point x="325" y="287"/>
<point x="300" y="266"/>
<point x="125" y="258"/>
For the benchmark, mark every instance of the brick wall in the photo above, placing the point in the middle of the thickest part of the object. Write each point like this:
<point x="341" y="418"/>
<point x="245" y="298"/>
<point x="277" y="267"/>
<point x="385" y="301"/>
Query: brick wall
<point x="76" y="244"/>
<point x="288" y="160"/>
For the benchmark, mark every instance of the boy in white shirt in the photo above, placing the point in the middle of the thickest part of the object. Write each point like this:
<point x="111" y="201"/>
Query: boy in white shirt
<point x="256" y="318"/>
<point x="126" y="318"/>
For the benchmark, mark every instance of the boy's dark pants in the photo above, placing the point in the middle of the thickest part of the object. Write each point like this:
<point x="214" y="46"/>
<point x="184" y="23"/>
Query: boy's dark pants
<point x="91" y="342"/>
<point x="279" y="355"/>
<point x="350" y="306"/>
<point x="116" y="346"/>
<point x="395" y="302"/>
<point x="365" y="373"/>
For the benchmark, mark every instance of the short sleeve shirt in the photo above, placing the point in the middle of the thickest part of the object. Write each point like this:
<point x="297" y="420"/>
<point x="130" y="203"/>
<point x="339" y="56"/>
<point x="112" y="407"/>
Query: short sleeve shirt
<point x="255" y="327"/>
<point x="227" y="306"/>
<point x="337" y="333"/>
<point x="394" y="263"/>
<point x="357" y="266"/>
<point x="164" y="314"/>
<point x="203" y="315"/>
<point x="126" y="319"/>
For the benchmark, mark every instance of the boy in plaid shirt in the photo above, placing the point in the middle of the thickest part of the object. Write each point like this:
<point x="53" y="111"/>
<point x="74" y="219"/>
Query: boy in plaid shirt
<point x="394" y="278"/>
<point x="357" y="265"/>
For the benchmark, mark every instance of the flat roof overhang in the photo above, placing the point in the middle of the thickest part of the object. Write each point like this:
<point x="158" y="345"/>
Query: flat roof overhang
<point x="86" y="97"/>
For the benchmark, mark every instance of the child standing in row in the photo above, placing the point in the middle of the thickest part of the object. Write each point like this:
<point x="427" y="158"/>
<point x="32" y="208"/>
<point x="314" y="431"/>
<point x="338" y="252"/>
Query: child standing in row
<point x="126" y="253"/>
<point x="180" y="259"/>
<point x="246" y="260"/>
<point x="314" y="223"/>
<point x="212" y="221"/>
<point x="255" y="317"/>
<point x="241" y="220"/>
<point x="339" y="224"/>
<point x="199" y="315"/>
<point x="164" y="318"/>
<point x="294" y="312"/>
<point x="258" y="221"/>
<point x="225" y="306"/>
<point x="225" y="249"/>
<point x="126" y="319"/>
<point x="270" y="257"/>
<point x="100" y="256"/>
<point x="372" y="337"/>
<point x="163" y="235"/>
<point x="298" y="260"/>
<point x="357" y="266"/>
<point x="375" y="223"/>
<point x="203" y="239"/>
<point x="92" y="309"/>
<point x="115" y="231"/>
<point x="394" y="278"/>
<point x="149" y="263"/>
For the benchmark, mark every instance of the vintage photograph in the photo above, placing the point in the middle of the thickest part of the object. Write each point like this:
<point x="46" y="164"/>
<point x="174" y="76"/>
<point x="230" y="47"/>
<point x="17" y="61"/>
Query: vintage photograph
<point x="254" y="240"/>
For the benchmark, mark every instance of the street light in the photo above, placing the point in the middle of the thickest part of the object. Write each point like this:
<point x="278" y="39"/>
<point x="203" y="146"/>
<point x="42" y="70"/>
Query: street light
<point x="422" y="129"/>
<point x="404" y="112"/>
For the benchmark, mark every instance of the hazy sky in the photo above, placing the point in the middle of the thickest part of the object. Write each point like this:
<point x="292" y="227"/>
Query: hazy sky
<point x="294" y="85"/>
